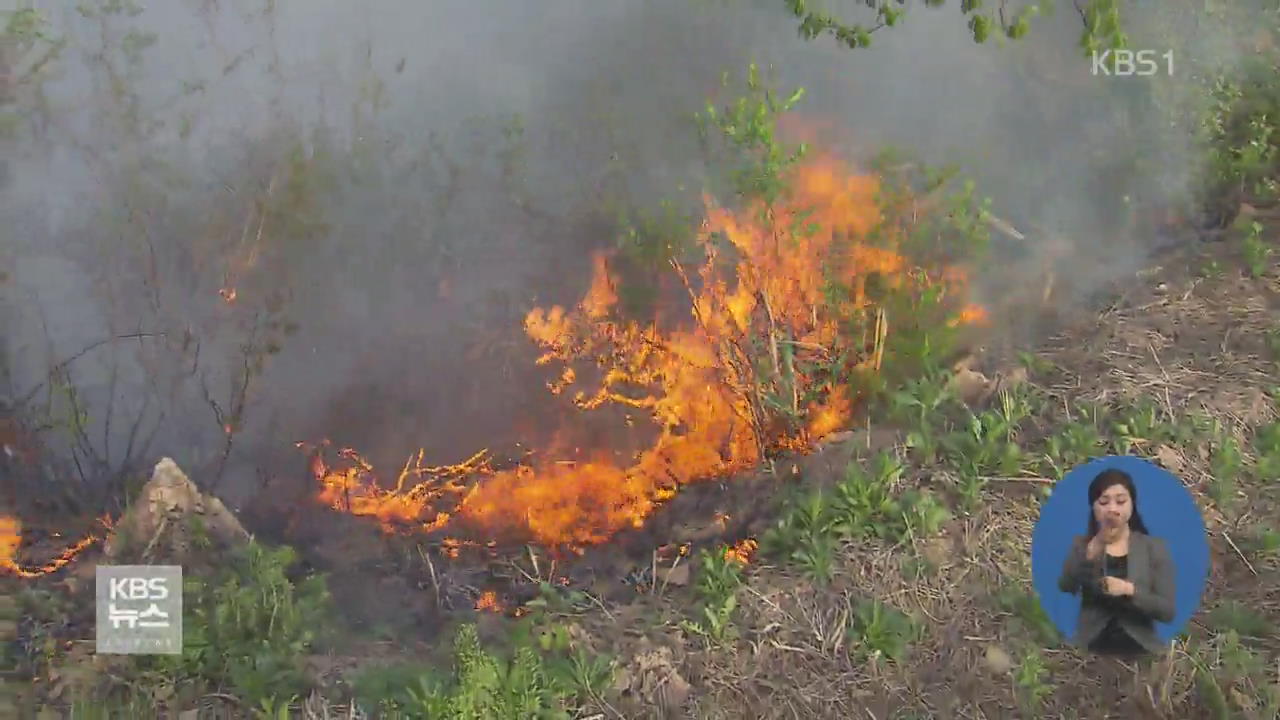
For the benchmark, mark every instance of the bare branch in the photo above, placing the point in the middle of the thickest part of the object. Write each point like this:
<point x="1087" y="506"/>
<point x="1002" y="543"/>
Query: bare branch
<point x="58" y="368"/>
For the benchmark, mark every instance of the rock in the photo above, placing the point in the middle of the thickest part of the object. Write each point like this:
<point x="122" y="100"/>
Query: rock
<point x="997" y="660"/>
<point x="1169" y="458"/>
<point x="970" y="385"/>
<point x="654" y="678"/>
<point x="169" y="519"/>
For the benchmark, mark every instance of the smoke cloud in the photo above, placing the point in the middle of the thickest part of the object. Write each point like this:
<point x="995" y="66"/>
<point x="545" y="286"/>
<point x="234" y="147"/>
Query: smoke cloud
<point x="387" y="188"/>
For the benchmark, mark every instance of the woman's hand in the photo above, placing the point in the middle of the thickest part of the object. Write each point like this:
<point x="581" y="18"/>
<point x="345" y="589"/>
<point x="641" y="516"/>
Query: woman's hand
<point x="1116" y="587"/>
<point x="1095" y="547"/>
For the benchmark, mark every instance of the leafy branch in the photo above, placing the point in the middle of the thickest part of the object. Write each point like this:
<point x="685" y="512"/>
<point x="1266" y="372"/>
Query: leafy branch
<point x="1101" y="20"/>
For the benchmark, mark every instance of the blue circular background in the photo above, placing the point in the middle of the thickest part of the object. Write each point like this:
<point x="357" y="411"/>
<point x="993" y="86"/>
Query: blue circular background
<point x="1169" y="512"/>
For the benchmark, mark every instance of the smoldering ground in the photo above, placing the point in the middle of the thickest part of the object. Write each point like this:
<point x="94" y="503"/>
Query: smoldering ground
<point x="329" y="220"/>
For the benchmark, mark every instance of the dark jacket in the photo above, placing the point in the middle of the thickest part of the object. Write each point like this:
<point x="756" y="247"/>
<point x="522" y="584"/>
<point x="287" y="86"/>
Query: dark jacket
<point x="1150" y="570"/>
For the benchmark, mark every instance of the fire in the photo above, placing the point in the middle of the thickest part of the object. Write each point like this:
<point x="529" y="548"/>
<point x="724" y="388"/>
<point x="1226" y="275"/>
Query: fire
<point x="11" y="540"/>
<point x="971" y="315"/>
<point x="742" y="552"/>
<point x="488" y="601"/>
<point x="757" y="368"/>
<point x="355" y="489"/>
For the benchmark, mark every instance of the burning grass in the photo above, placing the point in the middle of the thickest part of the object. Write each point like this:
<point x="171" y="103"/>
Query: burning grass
<point x="790" y="302"/>
<point x="11" y="542"/>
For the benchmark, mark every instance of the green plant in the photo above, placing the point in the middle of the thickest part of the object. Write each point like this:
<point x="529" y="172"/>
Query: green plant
<point x="1257" y="253"/>
<point x="1271" y="339"/>
<point x="881" y="630"/>
<point x="485" y="685"/>
<point x="1140" y="426"/>
<point x="570" y="666"/>
<point x="1234" y="616"/>
<point x="987" y="445"/>
<point x="719" y="576"/>
<point x="805" y="534"/>
<point x="391" y="688"/>
<point x="1028" y="614"/>
<point x="249" y="628"/>
<point x="1243" y="144"/>
<point x="1034" y="364"/>
<point x="1211" y="268"/>
<point x="716" y="587"/>
<point x="1077" y="442"/>
<point x="1031" y="680"/>
<point x="1266" y="451"/>
<point x="1225" y="463"/>
<point x="1264" y="541"/>
<point x="920" y="403"/>
<point x="271" y="708"/>
<point x="864" y="505"/>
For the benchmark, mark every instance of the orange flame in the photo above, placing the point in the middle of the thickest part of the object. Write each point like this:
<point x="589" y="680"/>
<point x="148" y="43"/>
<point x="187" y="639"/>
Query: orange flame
<point x="488" y="601"/>
<point x="742" y="552"/>
<point x="762" y="302"/>
<point x="11" y="540"/>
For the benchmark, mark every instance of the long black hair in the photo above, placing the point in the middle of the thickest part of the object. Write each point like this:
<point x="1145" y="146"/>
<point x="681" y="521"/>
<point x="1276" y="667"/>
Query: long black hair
<point x="1108" y="478"/>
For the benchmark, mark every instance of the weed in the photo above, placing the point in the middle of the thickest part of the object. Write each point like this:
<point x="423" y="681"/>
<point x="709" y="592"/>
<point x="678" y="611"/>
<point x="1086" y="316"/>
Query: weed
<point x="1264" y="542"/>
<point x="988" y="445"/>
<point x="1225" y="462"/>
<point x="1234" y="616"/>
<point x="1272" y="341"/>
<point x="716" y="587"/>
<point x="864" y="502"/>
<point x="804" y="534"/>
<point x="1031" y="680"/>
<point x="1257" y="254"/>
<point x="1076" y="443"/>
<point x="486" y="685"/>
<point x="1028" y="614"/>
<point x="1140" y="426"/>
<point x="862" y="505"/>
<point x="1034" y="364"/>
<point x="578" y="671"/>
<point x="1266" y="451"/>
<point x="390" y="688"/>
<point x="881" y="630"/>
<point x="920" y="404"/>
<point x="921" y="514"/>
<point x="719" y="576"/>
<point x="249" y="629"/>
<point x="714" y="622"/>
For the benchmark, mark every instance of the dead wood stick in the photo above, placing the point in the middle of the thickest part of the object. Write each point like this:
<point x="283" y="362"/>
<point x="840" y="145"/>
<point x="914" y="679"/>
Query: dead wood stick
<point x="1004" y="227"/>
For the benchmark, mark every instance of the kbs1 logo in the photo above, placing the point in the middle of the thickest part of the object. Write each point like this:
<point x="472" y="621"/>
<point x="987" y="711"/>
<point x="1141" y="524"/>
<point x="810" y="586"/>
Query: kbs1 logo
<point x="139" y="609"/>
<point x="1132" y="63"/>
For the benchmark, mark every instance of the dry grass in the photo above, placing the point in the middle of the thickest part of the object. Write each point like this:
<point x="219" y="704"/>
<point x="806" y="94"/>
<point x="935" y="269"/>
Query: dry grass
<point x="1193" y="345"/>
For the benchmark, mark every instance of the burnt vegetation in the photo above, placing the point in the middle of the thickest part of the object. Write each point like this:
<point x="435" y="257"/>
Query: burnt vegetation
<point x="778" y="443"/>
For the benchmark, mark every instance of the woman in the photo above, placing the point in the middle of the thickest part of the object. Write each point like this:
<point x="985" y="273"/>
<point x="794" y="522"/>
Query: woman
<point x="1124" y="576"/>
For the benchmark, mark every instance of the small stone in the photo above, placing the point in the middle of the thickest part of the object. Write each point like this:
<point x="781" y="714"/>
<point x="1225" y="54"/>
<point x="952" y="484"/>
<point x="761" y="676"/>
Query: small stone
<point x="998" y="661"/>
<point x="1169" y="458"/>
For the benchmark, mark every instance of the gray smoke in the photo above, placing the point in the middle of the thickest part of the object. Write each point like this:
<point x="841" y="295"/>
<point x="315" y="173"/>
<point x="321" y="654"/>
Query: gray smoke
<point x="429" y="171"/>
